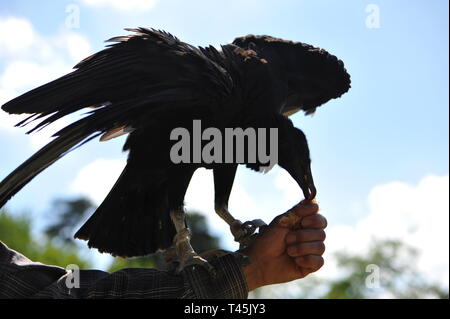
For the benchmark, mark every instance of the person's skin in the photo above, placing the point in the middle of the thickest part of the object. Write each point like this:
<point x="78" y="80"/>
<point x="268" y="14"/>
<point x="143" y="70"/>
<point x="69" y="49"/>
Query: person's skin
<point x="280" y="255"/>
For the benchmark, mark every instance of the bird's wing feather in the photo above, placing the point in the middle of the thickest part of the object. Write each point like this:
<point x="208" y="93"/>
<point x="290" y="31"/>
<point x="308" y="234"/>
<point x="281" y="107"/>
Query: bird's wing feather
<point x="143" y="65"/>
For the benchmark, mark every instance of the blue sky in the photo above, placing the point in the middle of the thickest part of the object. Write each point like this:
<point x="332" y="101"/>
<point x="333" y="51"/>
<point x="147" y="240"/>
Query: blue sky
<point x="392" y="126"/>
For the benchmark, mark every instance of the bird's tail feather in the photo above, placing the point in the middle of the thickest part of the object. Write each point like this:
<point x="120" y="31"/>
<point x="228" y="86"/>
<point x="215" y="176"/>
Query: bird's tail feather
<point x="133" y="220"/>
<point x="66" y="140"/>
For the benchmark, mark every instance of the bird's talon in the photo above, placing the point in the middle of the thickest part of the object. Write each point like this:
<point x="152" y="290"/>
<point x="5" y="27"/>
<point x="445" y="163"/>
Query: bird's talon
<point x="192" y="261"/>
<point x="246" y="233"/>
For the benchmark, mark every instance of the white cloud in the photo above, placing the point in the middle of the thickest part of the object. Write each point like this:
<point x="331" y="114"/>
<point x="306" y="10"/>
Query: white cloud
<point x="38" y="139"/>
<point x="200" y="198"/>
<point x="96" y="179"/>
<point x="29" y="60"/>
<point x="200" y="193"/>
<point x="22" y="75"/>
<point x="15" y="35"/>
<point x="7" y="121"/>
<point x="289" y="187"/>
<point x="78" y="47"/>
<point x="41" y="138"/>
<point x="132" y="5"/>
<point x="416" y="215"/>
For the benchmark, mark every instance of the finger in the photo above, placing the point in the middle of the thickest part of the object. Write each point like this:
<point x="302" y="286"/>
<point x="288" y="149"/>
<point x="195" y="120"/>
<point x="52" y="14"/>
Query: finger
<point x="312" y="262"/>
<point x="305" y="235"/>
<point x="309" y="248"/>
<point x="303" y="209"/>
<point x="291" y="219"/>
<point x="314" y="222"/>
<point x="303" y="272"/>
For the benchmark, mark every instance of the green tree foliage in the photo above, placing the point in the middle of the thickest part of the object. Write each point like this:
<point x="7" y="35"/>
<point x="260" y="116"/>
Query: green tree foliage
<point x="151" y="261"/>
<point x="16" y="233"/>
<point x="66" y="215"/>
<point x="202" y="240"/>
<point x="393" y="262"/>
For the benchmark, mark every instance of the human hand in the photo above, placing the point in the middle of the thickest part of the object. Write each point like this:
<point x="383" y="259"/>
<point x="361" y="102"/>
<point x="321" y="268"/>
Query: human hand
<point x="280" y="254"/>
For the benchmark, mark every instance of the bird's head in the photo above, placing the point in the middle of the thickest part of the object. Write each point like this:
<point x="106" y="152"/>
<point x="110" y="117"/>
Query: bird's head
<point x="314" y="75"/>
<point x="294" y="157"/>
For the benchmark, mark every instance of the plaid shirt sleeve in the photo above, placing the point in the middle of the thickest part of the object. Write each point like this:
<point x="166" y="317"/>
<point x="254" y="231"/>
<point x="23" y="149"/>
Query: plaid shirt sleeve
<point x="22" y="278"/>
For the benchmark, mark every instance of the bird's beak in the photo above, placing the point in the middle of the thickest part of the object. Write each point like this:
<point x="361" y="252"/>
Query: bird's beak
<point x="291" y="110"/>
<point x="306" y="183"/>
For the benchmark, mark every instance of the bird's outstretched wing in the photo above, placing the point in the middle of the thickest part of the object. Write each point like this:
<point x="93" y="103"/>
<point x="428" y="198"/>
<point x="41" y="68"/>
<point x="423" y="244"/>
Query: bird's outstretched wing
<point x="148" y="65"/>
<point x="147" y="74"/>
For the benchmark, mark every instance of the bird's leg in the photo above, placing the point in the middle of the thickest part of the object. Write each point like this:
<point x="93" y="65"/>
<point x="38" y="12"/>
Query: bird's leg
<point x="186" y="255"/>
<point x="181" y="251"/>
<point x="243" y="232"/>
<point x="235" y="224"/>
<point x="223" y="182"/>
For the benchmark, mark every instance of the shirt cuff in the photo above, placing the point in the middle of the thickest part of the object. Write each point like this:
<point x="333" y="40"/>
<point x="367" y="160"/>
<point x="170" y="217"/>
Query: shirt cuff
<point x="227" y="281"/>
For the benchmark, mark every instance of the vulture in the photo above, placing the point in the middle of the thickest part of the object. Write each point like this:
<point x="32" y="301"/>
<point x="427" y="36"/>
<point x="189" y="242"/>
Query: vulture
<point x="148" y="83"/>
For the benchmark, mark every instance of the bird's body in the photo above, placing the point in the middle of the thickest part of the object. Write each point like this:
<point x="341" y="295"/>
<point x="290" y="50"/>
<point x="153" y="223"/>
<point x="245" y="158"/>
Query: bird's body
<point x="150" y="83"/>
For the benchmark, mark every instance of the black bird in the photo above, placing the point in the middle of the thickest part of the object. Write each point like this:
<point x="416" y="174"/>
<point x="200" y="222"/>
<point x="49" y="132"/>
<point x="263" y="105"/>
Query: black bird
<point x="146" y="84"/>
